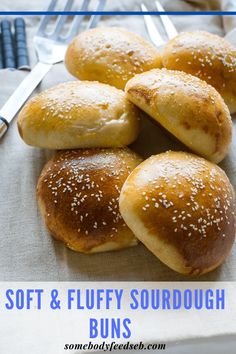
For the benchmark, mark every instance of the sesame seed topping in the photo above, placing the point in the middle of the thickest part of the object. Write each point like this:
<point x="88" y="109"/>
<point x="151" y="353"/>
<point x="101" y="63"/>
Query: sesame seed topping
<point x="77" y="182"/>
<point x="198" y="206"/>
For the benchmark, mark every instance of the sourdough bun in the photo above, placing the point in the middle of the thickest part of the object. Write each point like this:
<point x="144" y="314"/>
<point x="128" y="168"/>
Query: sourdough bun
<point x="79" y="115"/>
<point x="110" y="55"/>
<point x="187" y="107"/>
<point x="78" y="193"/>
<point x="207" y="56"/>
<point x="182" y="208"/>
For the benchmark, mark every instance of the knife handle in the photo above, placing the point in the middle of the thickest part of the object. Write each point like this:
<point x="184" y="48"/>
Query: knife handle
<point x="3" y="126"/>
<point x="7" y="45"/>
<point x="1" y="56"/>
<point x="22" y="58"/>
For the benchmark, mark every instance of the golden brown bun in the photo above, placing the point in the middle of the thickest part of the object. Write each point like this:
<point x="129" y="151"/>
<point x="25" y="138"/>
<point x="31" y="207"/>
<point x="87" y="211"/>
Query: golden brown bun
<point x="111" y="55"/>
<point x="79" y="115"/>
<point x="187" y="107"/>
<point x="207" y="56"/>
<point x="182" y="208"/>
<point x="78" y="193"/>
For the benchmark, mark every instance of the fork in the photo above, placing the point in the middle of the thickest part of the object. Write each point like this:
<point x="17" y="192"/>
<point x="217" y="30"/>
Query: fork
<point x="153" y="32"/>
<point x="50" y="49"/>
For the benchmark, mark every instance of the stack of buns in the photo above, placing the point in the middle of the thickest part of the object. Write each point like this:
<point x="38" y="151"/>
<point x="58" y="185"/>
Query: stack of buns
<point x="96" y="194"/>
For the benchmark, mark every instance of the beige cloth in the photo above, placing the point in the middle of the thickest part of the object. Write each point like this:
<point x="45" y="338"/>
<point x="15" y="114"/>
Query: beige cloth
<point x="27" y="252"/>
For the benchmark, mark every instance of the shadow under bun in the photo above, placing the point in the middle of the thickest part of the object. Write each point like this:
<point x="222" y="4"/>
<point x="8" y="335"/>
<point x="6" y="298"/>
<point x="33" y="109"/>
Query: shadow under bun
<point x="182" y="208"/>
<point x="207" y="56"/>
<point x="110" y="55"/>
<point x="78" y="193"/>
<point x="189" y="108"/>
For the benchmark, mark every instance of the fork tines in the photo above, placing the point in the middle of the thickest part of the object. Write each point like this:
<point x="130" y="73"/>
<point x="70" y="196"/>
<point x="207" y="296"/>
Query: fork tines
<point x="153" y="32"/>
<point x="78" y="19"/>
<point x="76" y="22"/>
<point x="170" y="29"/>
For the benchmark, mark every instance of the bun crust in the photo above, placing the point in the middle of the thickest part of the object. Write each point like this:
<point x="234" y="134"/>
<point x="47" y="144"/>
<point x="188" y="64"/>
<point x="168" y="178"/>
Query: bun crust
<point x="182" y="208"/>
<point x="207" y="56"/>
<point x="110" y="55"/>
<point x="78" y="193"/>
<point x="187" y="107"/>
<point x="79" y="115"/>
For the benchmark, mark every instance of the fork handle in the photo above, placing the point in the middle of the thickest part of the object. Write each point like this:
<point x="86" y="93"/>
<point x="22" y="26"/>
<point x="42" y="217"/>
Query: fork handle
<point x="20" y="95"/>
